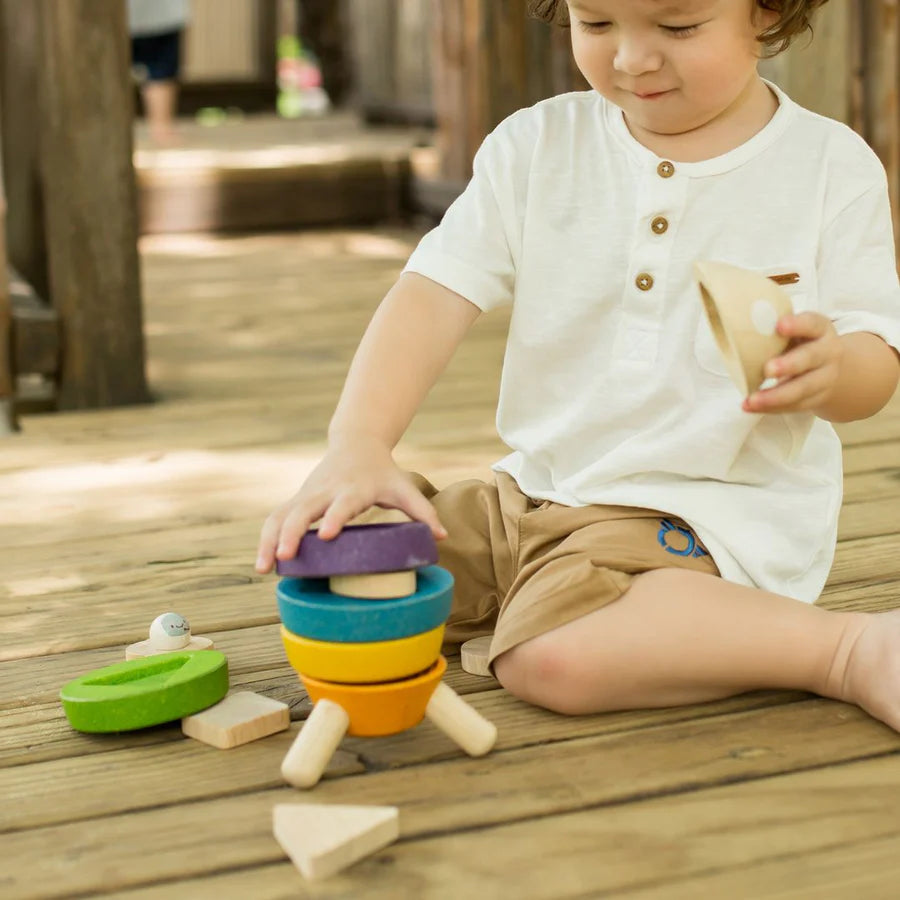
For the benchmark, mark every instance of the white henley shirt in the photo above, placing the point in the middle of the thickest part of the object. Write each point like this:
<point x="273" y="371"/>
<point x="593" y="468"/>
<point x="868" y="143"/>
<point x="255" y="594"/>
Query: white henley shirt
<point x="613" y="390"/>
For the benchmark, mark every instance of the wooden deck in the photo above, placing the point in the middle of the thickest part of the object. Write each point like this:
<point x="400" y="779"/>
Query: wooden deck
<point x="109" y="518"/>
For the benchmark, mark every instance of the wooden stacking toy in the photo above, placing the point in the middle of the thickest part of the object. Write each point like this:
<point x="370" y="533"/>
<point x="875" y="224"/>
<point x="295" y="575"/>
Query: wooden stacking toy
<point x="372" y="667"/>
<point x="743" y="309"/>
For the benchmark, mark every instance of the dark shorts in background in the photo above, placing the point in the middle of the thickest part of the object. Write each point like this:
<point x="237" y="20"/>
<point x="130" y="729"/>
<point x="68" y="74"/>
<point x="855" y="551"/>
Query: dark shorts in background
<point x="157" y="57"/>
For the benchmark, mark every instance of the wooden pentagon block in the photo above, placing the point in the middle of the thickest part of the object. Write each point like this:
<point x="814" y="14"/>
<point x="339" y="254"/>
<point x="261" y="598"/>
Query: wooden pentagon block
<point x="380" y="586"/>
<point x="321" y="840"/>
<point x="142" y="649"/>
<point x="238" y="719"/>
<point x="474" y="655"/>
<point x="363" y="549"/>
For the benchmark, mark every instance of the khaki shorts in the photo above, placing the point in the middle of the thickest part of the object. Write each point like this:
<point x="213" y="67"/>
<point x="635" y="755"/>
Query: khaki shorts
<point x="523" y="567"/>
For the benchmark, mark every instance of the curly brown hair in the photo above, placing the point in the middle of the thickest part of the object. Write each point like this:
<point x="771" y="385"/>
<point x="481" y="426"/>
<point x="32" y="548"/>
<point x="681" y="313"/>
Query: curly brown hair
<point x="795" y="18"/>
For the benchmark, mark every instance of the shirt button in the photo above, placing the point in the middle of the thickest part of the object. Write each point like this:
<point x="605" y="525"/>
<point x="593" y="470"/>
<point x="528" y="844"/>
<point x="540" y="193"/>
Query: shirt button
<point x="644" y="281"/>
<point x="660" y="225"/>
<point x="665" y="169"/>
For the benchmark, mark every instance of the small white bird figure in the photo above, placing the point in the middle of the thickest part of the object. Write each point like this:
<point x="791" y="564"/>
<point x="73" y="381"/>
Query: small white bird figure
<point x="170" y="632"/>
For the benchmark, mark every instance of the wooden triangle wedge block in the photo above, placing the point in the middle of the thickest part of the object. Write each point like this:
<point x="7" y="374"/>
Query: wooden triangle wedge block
<point x="321" y="839"/>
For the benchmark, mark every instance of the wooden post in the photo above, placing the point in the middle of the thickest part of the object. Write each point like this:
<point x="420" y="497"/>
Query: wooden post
<point x="19" y="72"/>
<point x="490" y="59"/>
<point x="7" y="376"/>
<point x="86" y="115"/>
<point x="883" y="29"/>
<point x="818" y="74"/>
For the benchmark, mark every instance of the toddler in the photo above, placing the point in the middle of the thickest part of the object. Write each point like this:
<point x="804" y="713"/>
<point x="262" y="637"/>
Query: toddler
<point x="652" y="538"/>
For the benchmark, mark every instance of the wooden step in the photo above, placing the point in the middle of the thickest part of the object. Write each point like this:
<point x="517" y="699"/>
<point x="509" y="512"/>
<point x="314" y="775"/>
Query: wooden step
<point x="262" y="172"/>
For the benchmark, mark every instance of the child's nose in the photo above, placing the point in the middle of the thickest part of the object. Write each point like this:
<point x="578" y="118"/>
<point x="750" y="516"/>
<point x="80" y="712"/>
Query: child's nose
<point x="636" y="57"/>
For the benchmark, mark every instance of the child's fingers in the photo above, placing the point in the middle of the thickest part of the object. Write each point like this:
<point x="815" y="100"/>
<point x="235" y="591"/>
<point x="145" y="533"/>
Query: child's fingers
<point x="415" y="505"/>
<point x="296" y="523"/>
<point x="806" y="325"/>
<point x="341" y="510"/>
<point x="796" y="361"/>
<point x="803" y="392"/>
<point x="268" y="541"/>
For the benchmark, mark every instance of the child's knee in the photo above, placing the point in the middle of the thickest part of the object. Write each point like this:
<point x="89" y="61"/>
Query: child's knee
<point x="539" y="671"/>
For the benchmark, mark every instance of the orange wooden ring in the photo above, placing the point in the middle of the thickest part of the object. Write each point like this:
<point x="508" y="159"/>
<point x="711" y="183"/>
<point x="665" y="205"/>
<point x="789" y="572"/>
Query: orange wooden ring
<point x="376" y="710"/>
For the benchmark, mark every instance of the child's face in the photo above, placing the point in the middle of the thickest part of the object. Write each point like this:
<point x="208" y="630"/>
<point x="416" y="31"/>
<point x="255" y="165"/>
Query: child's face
<point x="673" y="66"/>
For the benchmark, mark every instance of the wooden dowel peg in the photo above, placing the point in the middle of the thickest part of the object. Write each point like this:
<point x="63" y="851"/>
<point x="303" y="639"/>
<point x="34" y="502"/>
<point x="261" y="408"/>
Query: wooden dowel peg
<point x="315" y="745"/>
<point x="374" y="586"/>
<point x="460" y="722"/>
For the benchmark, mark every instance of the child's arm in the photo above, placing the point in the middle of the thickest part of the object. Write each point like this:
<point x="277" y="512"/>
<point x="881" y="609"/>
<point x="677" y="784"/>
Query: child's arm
<point x="839" y="378"/>
<point x="866" y="380"/>
<point x="408" y="343"/>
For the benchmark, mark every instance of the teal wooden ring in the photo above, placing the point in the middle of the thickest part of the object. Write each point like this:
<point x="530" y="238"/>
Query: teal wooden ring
<point x="142" y="692"/>
<point x="308" y="609"/>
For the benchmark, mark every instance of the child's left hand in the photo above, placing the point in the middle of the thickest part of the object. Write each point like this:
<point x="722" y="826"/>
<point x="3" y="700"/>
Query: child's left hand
<point x="807" y="371"/>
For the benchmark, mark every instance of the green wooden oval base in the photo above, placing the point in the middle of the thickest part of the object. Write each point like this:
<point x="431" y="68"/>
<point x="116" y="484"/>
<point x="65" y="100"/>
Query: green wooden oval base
<point x="139" y="693"/>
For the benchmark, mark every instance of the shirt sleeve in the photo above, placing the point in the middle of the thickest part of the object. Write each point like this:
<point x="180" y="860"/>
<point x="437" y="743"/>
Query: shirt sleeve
<point x="473" y="250"/>
<point x="857" y="268"/>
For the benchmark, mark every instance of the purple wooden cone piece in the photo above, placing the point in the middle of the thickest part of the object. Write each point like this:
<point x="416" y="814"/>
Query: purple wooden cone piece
<point x="363" y="549"/>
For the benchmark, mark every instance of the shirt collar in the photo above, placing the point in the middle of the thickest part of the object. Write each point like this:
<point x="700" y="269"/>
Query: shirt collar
<point x="762" y="140"/>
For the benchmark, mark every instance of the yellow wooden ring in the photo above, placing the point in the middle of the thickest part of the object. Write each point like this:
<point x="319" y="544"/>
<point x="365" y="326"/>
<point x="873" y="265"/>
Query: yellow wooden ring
<point x="376" y="710"/>
<point x="363" y="663"/>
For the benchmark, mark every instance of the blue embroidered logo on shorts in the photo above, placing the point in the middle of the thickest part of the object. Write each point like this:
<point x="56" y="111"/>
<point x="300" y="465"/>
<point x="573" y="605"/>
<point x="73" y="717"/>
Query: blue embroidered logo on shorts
<point x="667" y="528"/>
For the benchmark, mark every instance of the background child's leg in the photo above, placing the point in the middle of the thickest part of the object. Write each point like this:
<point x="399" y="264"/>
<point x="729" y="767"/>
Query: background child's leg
<point x="160" y="103"/>
<point x="678" y="636"/>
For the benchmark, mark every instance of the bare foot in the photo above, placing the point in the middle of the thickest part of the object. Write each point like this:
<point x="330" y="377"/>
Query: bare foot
<point x="870" y="674"/>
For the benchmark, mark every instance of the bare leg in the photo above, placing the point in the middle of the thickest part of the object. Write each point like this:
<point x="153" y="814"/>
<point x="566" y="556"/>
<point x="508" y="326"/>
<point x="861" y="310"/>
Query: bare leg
<point x="160" y="100"/>
<point x="679" y="637"/>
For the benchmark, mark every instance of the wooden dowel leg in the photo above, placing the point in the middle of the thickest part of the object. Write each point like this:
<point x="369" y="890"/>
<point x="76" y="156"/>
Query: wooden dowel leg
<point x="460" y="722"/>
<point x="315" y="745"/>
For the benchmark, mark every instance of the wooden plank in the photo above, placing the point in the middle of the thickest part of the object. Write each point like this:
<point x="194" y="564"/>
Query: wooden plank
<point x="220" y="42"/>
<point x="86" y="115"/>
<point x="865" y="868"/>
<point x="35" y="730"/>
<point x="221" y="594"/>
<point x="517" y="791"/>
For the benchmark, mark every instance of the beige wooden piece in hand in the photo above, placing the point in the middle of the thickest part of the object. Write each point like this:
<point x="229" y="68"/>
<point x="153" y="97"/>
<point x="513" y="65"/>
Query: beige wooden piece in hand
<point x="374" y="586"/>
<point x="322" y="839"/>
<point x="474" y="656"/>
<point x="743" y="309"/>
<point x="238" y="719"/>
<point x="460" y="722"/>
<point x="315" y="744"/>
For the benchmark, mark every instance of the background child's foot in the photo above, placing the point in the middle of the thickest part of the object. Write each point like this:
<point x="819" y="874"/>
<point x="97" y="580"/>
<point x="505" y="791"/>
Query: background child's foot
<point x="870" y="675"/>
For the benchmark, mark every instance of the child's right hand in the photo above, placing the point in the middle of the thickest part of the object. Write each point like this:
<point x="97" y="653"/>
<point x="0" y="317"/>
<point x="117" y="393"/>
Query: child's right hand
<point x="354" y="475"/>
